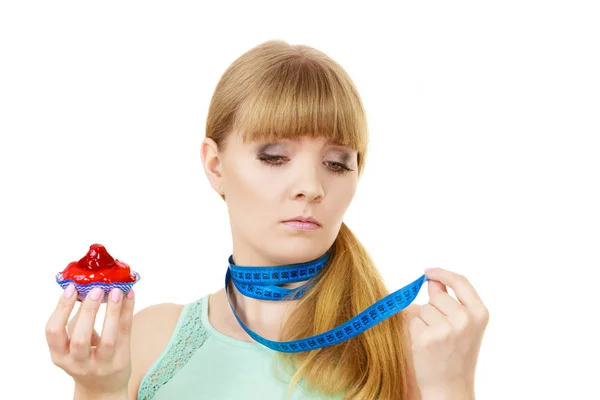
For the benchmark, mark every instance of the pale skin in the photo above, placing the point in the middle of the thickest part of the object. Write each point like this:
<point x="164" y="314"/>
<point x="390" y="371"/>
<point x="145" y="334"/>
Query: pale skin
<point x="265" y="185"/>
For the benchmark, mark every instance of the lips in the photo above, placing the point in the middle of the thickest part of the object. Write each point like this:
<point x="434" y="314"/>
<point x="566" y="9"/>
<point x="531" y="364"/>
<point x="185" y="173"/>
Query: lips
<point x="302" y="223"/>
<point x="304" y="220"/>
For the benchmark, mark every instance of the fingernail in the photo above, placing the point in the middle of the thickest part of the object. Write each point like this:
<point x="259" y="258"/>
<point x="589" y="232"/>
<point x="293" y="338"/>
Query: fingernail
<point x="95" y="293"/>
<point x="428" y="269"/>
<point x="116" y="295"/>
<point x="130" y="294"/>
<point x="69" y="291"/>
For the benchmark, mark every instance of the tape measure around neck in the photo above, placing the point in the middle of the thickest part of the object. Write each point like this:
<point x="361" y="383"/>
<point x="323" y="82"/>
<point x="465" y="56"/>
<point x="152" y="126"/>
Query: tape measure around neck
<point x="261" y="283"/>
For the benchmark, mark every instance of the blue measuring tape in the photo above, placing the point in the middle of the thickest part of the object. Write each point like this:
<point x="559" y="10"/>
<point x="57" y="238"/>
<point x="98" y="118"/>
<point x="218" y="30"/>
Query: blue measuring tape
<point x="261" y="283"/>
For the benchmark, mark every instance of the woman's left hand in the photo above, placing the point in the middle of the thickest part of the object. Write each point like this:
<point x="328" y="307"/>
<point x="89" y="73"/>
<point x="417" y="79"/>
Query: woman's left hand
<point x="447" y="335"/>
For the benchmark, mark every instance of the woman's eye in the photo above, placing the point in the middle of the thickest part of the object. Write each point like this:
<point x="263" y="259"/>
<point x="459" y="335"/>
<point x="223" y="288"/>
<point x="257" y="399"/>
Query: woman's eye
<point x="337" y="167"/>
<point x="270" y="159"/>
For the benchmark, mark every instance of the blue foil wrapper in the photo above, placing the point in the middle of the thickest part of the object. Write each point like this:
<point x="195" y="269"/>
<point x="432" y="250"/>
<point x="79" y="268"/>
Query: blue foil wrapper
<point x="84" y="289"/>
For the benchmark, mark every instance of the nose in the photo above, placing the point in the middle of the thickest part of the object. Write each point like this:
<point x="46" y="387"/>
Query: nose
<point x="308" y="186"/>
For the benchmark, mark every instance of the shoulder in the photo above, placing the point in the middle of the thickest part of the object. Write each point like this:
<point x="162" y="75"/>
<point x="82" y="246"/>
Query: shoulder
<point x="410" y="312"/>
<point x="151" y="330"/>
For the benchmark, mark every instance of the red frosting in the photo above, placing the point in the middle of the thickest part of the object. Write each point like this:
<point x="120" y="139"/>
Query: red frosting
<point x="98" y="266"/>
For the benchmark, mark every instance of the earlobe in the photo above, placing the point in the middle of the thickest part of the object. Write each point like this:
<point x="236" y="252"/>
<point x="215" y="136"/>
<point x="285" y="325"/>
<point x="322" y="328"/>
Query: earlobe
<point x="209" y="153"/>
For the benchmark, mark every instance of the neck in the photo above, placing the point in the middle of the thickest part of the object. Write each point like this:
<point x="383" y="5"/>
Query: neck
<point x="262" y="315"/>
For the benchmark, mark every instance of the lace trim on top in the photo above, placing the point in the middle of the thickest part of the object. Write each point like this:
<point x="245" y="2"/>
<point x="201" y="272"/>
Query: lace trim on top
<point x="189" y="335"/>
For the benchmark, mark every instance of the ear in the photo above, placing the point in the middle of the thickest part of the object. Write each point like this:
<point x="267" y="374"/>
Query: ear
<point x="209" y="152"/>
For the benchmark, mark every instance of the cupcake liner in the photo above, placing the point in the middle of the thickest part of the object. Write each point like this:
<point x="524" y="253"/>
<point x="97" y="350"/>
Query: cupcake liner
<point x="84" y="288"/>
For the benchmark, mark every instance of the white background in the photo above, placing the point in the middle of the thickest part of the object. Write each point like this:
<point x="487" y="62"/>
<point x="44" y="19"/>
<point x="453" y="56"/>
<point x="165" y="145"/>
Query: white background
<point x="484" y="121"/>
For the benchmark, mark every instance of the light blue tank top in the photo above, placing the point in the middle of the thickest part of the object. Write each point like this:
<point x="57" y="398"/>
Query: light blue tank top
<point x="199" y="362"/>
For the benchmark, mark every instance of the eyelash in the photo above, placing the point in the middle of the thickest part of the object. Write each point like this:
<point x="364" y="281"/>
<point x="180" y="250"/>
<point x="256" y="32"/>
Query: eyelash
<point x="273" y="161"/>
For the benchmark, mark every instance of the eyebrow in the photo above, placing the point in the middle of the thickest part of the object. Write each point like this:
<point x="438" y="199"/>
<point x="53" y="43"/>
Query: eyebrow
<point x="343" y="150"/>
<point x="267" y="146"/>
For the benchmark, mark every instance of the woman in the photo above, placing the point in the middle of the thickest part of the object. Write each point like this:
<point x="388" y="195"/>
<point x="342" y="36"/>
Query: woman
<point x="286" y="140"/>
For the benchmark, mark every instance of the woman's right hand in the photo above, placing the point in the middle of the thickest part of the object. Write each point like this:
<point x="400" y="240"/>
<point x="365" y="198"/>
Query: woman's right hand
<point x="99" y="364"/>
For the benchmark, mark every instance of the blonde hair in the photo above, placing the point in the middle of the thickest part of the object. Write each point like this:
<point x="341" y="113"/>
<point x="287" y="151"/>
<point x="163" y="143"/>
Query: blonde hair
<point x="277" y="90"/>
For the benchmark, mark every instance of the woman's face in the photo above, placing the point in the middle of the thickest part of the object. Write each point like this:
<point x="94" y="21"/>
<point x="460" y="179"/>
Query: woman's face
<point x="268" y="183"/>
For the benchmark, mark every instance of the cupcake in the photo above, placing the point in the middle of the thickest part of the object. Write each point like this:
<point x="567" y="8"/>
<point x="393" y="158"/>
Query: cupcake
<point x="97" y="269"/>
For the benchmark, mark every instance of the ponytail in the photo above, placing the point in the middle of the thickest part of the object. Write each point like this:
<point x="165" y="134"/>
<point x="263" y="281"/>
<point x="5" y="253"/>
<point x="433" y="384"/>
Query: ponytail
<point x="368" y="366"/>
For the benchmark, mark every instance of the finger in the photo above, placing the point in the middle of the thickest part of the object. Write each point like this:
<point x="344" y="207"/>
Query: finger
<point x="464" y="291"/>
<point x="454" y="312"/>
<point x="434" y="287"/>
<point x="432" y="316"/>
<point x="56" y="333"/>
<point x="95" y="338"/>
<point x="446" y="304"/>
<point x="82" y="332"/>
<point x="125" y="323"/>
<point x="110" y="329"/>
<point x="416" y="327"/>
<point x="73" y="322"/>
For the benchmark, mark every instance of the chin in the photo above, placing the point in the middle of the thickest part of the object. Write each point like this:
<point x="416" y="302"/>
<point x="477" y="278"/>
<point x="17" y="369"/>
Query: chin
<point x="293" y="251"/>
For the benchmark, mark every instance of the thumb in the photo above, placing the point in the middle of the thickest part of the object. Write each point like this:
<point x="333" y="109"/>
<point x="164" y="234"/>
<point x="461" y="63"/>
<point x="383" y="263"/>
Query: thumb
<point x="434" y="287"/>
